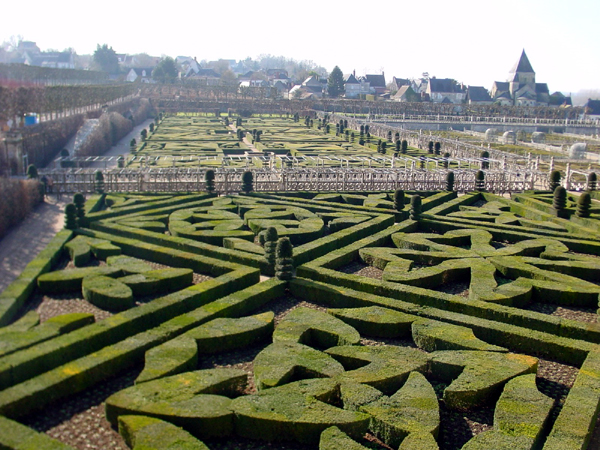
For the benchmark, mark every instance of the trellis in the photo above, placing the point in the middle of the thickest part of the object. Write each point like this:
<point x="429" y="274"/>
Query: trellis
<point x="268" y="179"/>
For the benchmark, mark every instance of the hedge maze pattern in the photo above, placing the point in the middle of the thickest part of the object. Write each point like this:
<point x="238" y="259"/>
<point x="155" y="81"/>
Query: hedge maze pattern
<point x="443" y="332"/>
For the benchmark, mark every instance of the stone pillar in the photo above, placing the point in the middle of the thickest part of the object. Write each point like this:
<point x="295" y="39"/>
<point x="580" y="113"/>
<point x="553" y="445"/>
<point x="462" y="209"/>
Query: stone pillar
<point x="13" y="147"/>
<point x="567" y="183"/>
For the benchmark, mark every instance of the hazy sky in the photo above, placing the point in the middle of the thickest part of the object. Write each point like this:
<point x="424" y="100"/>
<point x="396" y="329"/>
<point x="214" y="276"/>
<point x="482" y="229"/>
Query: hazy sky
<point x="475" y="42"/>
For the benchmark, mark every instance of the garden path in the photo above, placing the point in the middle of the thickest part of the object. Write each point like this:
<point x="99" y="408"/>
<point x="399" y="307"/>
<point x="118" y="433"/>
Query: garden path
<point x="26" y="240"/>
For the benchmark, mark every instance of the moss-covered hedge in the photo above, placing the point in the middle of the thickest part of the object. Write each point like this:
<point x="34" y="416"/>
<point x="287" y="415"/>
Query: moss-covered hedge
<point x="148" y="433"/>
<point x="17" y="293"/>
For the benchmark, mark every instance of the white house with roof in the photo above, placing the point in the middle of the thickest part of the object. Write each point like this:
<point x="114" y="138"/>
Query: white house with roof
<point x="355" y="88"/>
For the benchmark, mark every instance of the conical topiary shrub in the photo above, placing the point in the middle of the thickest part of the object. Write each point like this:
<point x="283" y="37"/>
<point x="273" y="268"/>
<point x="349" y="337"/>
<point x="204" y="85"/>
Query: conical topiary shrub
<point x="270" y="245"/>
<point x="70" y="216"/>
<point x="404" y="147"/>
<point x="209" y="180"/>
<point x="559" y="202"/>
<point x="592" y="181"/>
<point x="450" y="181"/>
<point x="399" y="199"/>
<point x="480" y="181"/>
<point x="415" y="207"/>
<point x="584" y="205"/>
<point x="430" y="147"/>
<point x="79" y="202"/>
<point x="99" y="182"/>
<point x="247" y="182"/>
<point x="485" y="160"/>
<point x="32" y="171"/>
<point x="284" y="266"/>
<point x="554" y="180"/>
<point x="438" y="148"/>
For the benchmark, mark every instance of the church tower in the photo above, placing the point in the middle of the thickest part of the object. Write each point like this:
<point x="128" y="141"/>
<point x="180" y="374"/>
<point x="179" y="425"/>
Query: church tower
<point x="521" y="74"/>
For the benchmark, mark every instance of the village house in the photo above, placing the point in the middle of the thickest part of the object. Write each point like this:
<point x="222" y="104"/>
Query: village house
<point x="141" y="75"/>
<point x="446" y="90"/>
<point x="355" y="88"/>
<point x="478" y="95"/>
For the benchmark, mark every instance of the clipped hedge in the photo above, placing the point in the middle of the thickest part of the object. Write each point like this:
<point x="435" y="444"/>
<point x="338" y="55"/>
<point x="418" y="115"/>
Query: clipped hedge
<point x="515" y="338"/>
<point x="76" y="375"/>
<point x="281" y="362"/>
<point x="335" y="439"/>
<point x="14" y="436"/>
<point x="477" y="377"/>
<point x="218" y="335"/>
<point x="17" y="293"/>
<point x="196" y="401"/>
<point x="574" y="425"/>
<point x="314" y="328"/>
<point x="386" y="367"/>
<point x="148" y="433"/>
<point x="376" y="321"/>
<point x="298" y="411"/>
<point x="413" y="409"/>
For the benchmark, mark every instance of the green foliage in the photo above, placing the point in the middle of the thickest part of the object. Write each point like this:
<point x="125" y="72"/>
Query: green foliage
<point x="270" y="245"/>
<point x="415" y="207"/>
<point x="247" y="182"/>
<point x="554" y="180"/>
<point x="315" y="328"/>
<point x="430" y="147"/>
<point x="450" y="181"/>
<point x="32" y="172"/>
<point x="376" y="321"/>
<point x="485" y="163"/>
<point x="335" y="439"/>
<point x="438" y="148"/>
<point x="592" y="181"/>
<point x="335" y="82"/>
<point x="70" y="216"/>
<point x="559" y="201"/>
<point x="194" y="400"/>
<point x="166" y="71"/>
<point x="404" y="148"/>
<point x="106" y="59"/>
<point x="384" y="367"/>
<point x="79" y="202"/>
<point x="480" y="181"/>
<point x="431" y="335"/>
<point x="584" y="204"/>
<point x="99" y="182"/>
<point x="477" y="377"/>
<point x="284" y="266"/>
<point x="147" y="433"/>
<point x="413" y="409"/>
<point x="107" y="293"/>
<point x="209" y="180"/>
<point x="298" y="411"/>
<point x="399" y="199"/>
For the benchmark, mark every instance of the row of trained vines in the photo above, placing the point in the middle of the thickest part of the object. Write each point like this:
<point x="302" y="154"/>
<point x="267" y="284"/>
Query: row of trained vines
<point x="17" y="101"/>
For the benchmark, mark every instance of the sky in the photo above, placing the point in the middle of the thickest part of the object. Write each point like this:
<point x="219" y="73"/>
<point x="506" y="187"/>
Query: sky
<point x="474" y="42"/>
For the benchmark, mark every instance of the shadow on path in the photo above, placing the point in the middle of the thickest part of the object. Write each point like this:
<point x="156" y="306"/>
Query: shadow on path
<point x="26" y="240"/>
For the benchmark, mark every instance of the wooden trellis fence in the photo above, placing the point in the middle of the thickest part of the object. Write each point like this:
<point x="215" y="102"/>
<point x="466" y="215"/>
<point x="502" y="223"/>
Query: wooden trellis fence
<point x="325" y="179"/>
